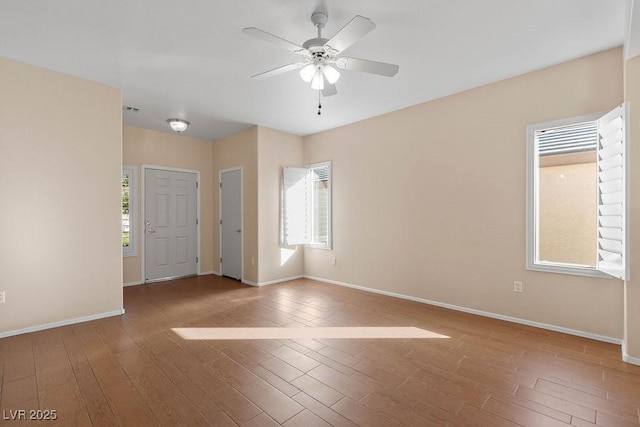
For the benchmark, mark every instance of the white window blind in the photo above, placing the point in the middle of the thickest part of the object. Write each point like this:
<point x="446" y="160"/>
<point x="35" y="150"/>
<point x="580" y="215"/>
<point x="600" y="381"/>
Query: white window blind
<point x="612" y="207"/>
<point x="295" y="206"/>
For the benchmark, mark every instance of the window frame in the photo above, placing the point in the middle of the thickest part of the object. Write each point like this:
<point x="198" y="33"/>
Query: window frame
<point x="132" y="172"/>
<point x="532" y="202"/>
<point x="329" y="244"/>
<point x="304" y="207"/>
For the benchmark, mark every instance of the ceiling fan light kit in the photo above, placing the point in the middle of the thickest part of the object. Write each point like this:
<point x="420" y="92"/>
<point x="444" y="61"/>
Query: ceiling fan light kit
<point x="321" y="62"/>
<point x="308" y="72"/>
<point x="317" y="82"/>
<point x="178" y="125"/>
<point x="330" y="73"/>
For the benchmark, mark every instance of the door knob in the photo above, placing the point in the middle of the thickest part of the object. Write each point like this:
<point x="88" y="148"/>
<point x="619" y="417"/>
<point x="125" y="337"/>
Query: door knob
<point x="238" y="231"/>
<point x="150" y="231"/>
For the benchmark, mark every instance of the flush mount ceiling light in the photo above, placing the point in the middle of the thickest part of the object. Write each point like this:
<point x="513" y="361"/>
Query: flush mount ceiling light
<point x="178" y="125"/>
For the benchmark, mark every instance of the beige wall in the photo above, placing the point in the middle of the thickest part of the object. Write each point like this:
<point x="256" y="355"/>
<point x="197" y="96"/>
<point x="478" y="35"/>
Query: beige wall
<point x="239" y="150"/>
<point x="143" y="146"/>
<point x="275" y="151"/>
<point x="567" y="214"/>
<point x="60" y="169"/>
<point x="455" y="234"/>
<point x="632" y="287"/>
<point x="429" y="201"/>
<point x="259" y="151"/>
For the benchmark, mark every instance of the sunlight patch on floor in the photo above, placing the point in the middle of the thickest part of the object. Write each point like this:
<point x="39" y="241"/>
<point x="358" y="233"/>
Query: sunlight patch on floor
<point x="302" y="333"/>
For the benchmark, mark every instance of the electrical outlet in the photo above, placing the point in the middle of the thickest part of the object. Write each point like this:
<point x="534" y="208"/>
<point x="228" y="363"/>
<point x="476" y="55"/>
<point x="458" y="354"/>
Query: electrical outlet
<point x="2" y="299"/>
<point x="517" y="286"/>
<point x="253" y="262"/>
<point x="333" y="261"/>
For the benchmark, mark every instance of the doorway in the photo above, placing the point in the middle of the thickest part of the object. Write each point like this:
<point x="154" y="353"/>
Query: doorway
<point x="231" y="223"/>
<point x="170" y="223"/>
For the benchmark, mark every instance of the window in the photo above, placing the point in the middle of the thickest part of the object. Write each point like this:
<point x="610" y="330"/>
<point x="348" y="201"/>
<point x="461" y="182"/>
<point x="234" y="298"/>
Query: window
<point x="129" y="217"/>
<point x="306" y="206"/>
<point x="576" y="196"/>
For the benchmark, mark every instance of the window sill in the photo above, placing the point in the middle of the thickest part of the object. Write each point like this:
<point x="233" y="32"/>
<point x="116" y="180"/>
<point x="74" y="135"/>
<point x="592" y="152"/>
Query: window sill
<point x="312" y="246"/>
<point x="575" y="271"/>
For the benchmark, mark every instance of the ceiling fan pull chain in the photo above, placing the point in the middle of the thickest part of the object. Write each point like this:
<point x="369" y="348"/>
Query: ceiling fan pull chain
<point x="319" y="104"/>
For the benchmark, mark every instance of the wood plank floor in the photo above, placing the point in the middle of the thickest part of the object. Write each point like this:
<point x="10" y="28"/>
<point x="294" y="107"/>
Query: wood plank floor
<point x="135" y="370"/>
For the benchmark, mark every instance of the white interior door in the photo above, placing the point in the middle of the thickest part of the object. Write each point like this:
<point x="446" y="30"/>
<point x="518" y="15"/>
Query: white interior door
<point x="231" y="224"/>
<point x="170" y="227"/>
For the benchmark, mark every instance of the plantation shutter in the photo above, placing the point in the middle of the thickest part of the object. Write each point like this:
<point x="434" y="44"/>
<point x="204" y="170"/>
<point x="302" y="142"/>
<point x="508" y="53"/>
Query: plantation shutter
<point x="613" y="256"/>
<point x="295" y="203"/>
<point x="320" y="205"/>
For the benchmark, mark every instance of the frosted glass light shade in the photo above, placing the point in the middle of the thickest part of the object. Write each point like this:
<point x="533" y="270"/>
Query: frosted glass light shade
<point x="307" y="72"/>
<point x="331" y="74"/>
<point x="318" y="80"/>
<point x="178" y="125"/>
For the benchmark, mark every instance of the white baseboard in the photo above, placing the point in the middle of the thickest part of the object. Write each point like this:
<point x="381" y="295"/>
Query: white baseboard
<point x="627" y="358"/>
<point x="479" y="312"/>
<point x="285" y="279"/>
<point x="61" y="323"/>
<point x="139" y="282"/>
<point x="273" y="282"/>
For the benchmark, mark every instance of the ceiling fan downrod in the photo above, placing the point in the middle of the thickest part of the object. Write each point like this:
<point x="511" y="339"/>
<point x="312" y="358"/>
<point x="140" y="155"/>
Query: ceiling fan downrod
<point x="319" y="20"/>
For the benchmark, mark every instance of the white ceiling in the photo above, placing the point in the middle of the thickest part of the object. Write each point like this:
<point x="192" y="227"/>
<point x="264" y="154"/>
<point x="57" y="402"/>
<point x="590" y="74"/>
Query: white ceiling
<point x="189" y="59"/>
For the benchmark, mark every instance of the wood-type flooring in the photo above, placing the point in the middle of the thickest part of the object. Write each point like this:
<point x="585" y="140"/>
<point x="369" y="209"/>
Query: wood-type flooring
<point x="136" y="370"/>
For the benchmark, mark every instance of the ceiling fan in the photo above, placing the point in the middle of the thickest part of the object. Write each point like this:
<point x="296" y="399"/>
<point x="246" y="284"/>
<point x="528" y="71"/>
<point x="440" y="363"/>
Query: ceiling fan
<point x="320" y="56"/>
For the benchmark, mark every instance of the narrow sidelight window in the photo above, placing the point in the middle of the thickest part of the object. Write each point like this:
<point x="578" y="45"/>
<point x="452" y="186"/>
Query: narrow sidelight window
<point x="129" y="217"/>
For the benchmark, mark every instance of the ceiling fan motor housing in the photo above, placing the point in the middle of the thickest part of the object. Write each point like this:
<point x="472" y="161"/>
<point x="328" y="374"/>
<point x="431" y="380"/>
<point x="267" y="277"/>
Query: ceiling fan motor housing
<point x="316" y="46"/>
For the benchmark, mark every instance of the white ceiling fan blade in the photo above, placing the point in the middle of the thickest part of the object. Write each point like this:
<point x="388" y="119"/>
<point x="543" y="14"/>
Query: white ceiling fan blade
<point x="268" y="37"/>
<point x="279" y="70"/>
<point x="365" y="66"/>
<point x="355" y="29"/>
<point x="329" y="89"/>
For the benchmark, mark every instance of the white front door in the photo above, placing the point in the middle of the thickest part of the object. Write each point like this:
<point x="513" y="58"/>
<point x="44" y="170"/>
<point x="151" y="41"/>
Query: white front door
<point x="170" y="224"/>
<point x="231" y="224"/>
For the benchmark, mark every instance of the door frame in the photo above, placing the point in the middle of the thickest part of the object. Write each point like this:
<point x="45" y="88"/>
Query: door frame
<point x="143" y="232"/>
<point x="241" y="169"/>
